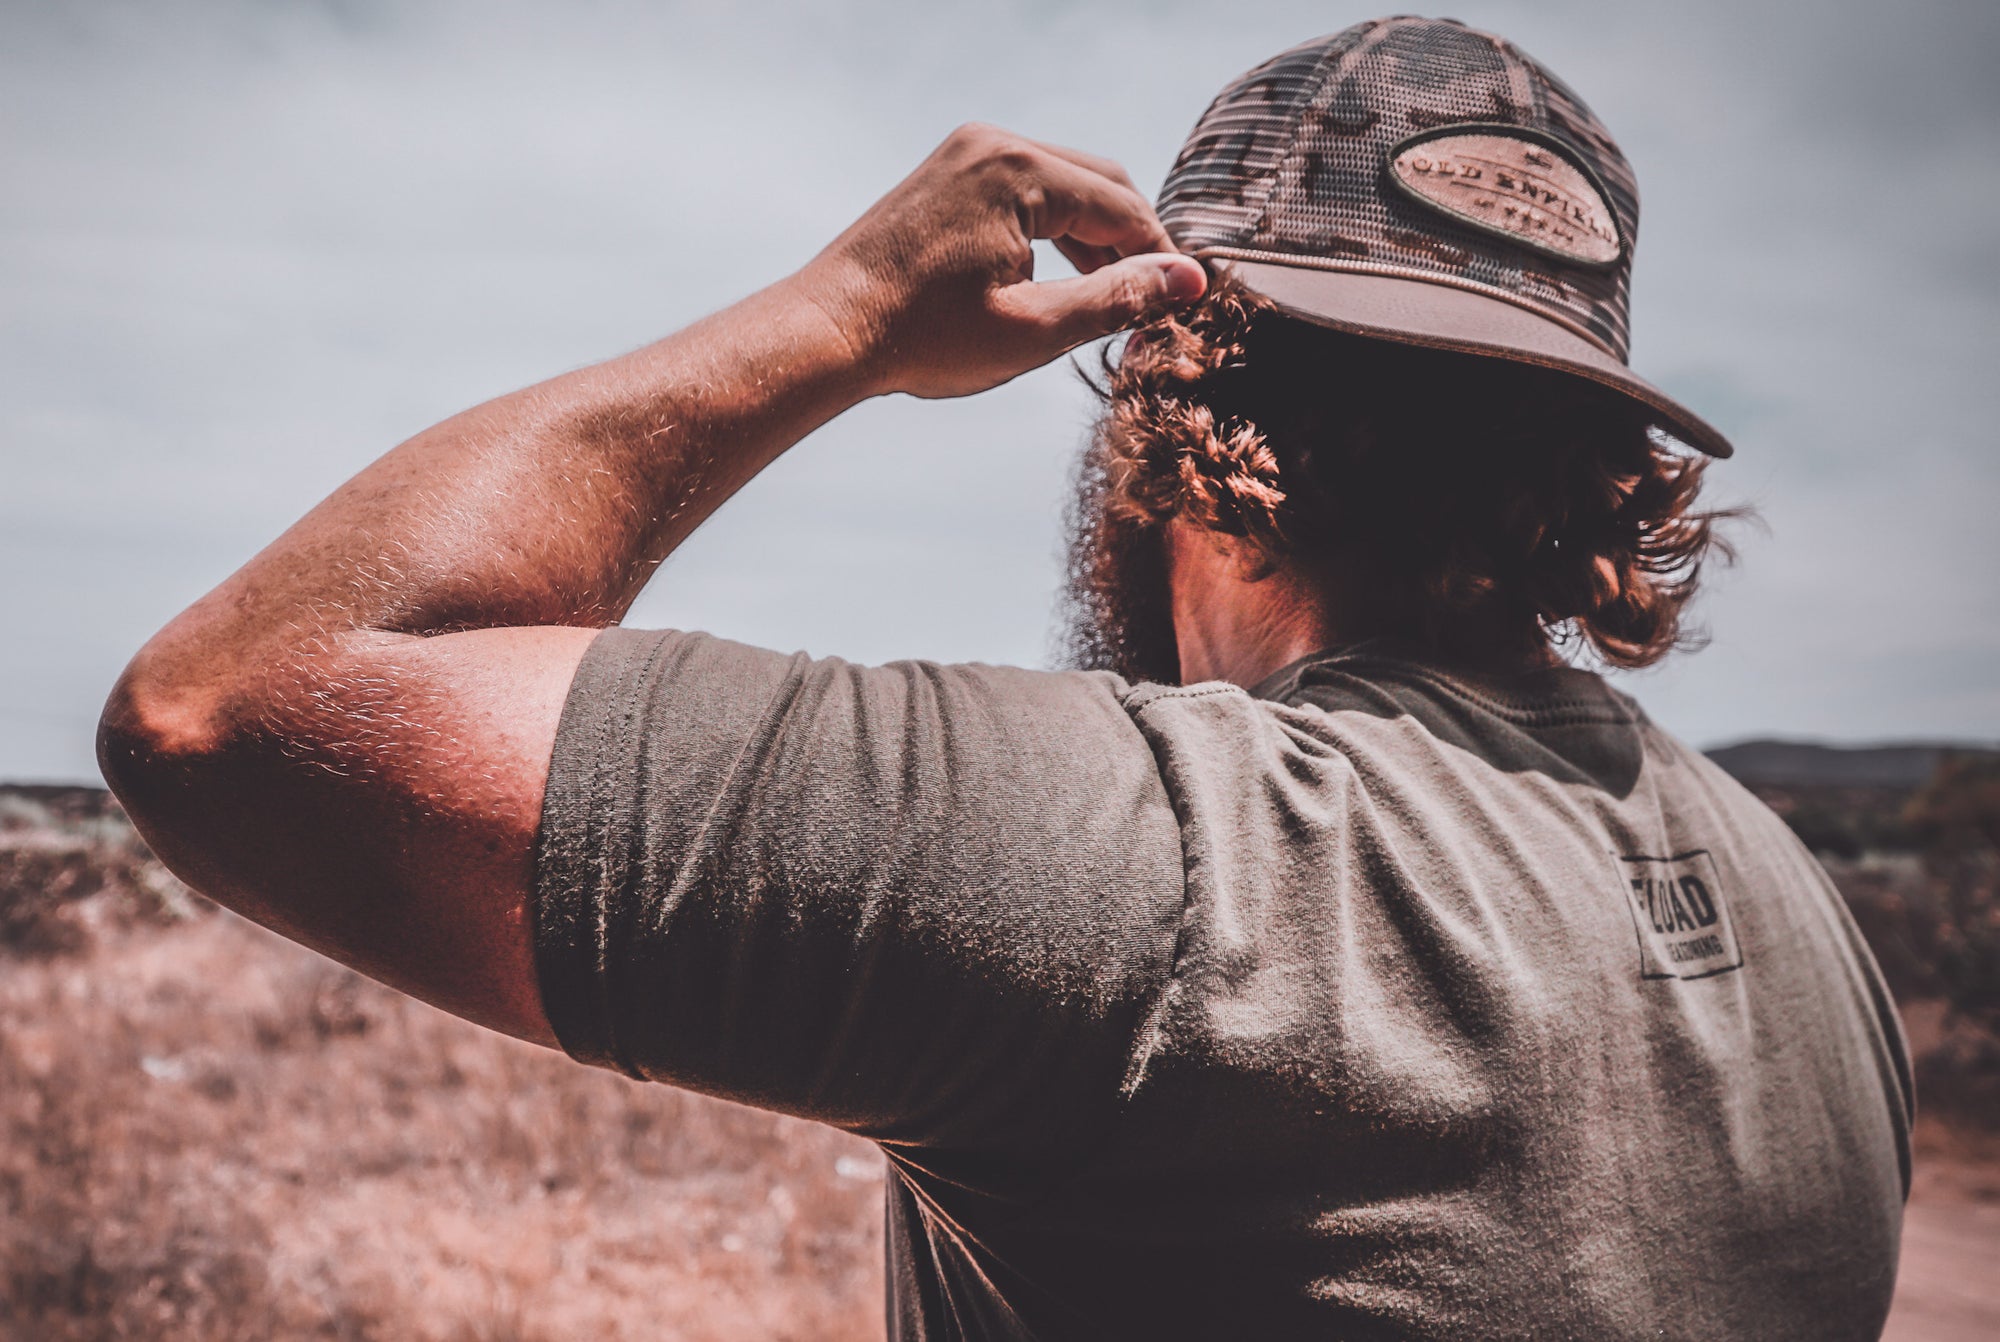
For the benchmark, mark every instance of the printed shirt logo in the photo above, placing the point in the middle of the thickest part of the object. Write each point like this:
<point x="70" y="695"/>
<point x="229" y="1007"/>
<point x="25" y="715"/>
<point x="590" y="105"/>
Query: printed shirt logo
<point x="1520" y="188"/>
<point x="1683" y="923"/>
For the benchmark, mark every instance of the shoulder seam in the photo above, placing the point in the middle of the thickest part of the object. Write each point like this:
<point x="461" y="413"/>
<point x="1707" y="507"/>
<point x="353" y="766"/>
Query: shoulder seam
<point x="1176" y="692"/>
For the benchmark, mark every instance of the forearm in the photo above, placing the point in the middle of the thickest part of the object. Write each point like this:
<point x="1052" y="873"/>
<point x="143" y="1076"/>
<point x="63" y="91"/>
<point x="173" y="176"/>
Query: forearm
<point x="552" y="505"/>
<point x="549" y="506"/>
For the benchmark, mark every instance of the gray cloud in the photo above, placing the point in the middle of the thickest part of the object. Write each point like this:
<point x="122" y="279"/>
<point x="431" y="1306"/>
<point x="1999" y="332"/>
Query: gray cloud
<point x="250" y="246"/>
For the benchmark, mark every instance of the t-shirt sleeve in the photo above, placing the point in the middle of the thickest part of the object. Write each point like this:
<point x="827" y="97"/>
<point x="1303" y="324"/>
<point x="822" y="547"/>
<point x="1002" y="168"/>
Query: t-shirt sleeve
<point x="930" y="904"/>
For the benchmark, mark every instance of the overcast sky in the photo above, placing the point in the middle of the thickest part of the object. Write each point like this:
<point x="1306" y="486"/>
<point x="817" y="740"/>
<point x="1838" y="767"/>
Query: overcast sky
<point x="246" y="247"/>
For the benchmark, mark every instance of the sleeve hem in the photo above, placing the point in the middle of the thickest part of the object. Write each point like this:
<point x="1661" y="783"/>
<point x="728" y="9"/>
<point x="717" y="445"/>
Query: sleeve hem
<point x="579" y="870"/>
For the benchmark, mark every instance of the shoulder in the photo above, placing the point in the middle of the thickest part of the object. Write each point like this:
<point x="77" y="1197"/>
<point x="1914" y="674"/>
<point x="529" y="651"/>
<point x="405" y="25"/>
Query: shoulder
<point x="1250" y="772"/>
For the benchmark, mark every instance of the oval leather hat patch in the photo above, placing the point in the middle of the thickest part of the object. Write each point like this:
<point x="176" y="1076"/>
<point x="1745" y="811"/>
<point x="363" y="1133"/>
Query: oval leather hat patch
<point x="1498" y="179"/>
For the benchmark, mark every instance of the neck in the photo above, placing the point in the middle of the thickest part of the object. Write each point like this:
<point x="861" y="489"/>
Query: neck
<point x="1239" y="617"/>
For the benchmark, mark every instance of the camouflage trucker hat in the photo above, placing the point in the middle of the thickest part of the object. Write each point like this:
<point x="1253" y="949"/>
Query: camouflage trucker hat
<point x="1420" y="181"/>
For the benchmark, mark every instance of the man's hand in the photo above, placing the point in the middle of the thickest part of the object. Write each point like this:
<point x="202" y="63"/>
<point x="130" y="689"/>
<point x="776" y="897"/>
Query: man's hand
<point x="934" y="286"/>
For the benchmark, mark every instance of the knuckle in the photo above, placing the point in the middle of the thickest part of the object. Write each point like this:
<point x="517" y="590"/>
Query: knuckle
<point x="989" y="146"/>
<point x="1012" y="156"/>
<point x="1138" y="210"/>
<point x="969" y="143"/>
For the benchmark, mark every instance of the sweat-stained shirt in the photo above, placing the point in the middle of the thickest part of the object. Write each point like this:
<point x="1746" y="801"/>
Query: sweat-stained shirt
<point x="1384" y="1001"/>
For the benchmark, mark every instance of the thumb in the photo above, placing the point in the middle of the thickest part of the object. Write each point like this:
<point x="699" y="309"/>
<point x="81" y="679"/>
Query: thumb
<point x="1070" y="312"/>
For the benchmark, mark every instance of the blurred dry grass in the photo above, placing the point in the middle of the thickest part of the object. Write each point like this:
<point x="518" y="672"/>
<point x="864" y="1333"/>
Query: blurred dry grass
<point x="211" y="1133"/>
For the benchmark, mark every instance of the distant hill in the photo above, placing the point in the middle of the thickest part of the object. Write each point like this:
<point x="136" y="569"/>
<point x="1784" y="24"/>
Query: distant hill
<point x="1806" y="764"/>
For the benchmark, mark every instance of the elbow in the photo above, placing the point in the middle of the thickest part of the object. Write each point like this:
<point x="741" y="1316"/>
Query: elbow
<point x="184" y="746"/>
<point x="155" y="733"/>
<point x="168" y="754"/>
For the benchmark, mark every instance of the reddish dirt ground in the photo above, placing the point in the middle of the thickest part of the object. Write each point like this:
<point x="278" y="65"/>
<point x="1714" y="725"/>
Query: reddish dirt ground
<point x="1949" y="1287"/>
<point x="210" y="1133"/>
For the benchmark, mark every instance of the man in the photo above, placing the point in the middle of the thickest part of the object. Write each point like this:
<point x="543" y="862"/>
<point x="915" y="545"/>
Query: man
<point x="1371" y="973"/>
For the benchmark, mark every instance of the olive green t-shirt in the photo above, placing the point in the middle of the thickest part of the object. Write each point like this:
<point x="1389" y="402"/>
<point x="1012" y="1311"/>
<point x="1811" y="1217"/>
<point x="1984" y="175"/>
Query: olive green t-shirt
<point x="1386" y="1001"/>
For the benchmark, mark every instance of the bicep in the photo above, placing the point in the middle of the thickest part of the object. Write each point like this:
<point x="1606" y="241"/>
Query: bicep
<point x="378" y="800"/>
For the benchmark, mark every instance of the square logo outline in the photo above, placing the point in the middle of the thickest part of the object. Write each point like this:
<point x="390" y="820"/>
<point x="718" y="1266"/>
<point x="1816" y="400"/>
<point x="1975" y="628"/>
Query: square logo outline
<point x="1651" y="964"/>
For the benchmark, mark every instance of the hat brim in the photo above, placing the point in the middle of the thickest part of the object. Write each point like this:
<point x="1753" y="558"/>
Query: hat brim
<point x="1443" y="316"/>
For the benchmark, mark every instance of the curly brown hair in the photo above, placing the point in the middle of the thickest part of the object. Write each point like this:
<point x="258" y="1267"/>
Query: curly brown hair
<point x="1489" y="510"/>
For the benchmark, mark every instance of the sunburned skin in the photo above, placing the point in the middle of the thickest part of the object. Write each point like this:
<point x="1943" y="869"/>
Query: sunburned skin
<point x="348" y="739"/>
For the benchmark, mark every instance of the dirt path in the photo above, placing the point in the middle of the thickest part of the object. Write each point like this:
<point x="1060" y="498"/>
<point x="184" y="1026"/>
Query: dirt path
<point x="1949" y="1287"/>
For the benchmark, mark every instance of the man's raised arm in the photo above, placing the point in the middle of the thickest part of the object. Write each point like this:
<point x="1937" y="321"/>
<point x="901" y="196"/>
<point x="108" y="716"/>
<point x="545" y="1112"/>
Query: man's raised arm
<point x="348" y="739"/>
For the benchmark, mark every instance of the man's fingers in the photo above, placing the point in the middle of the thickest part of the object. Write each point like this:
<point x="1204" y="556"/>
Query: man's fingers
<point x="1083" y="255"/>
<point x="1065" y="313"/>
<point x="1098" y="164"/>
<point x="1070" y="201"/>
